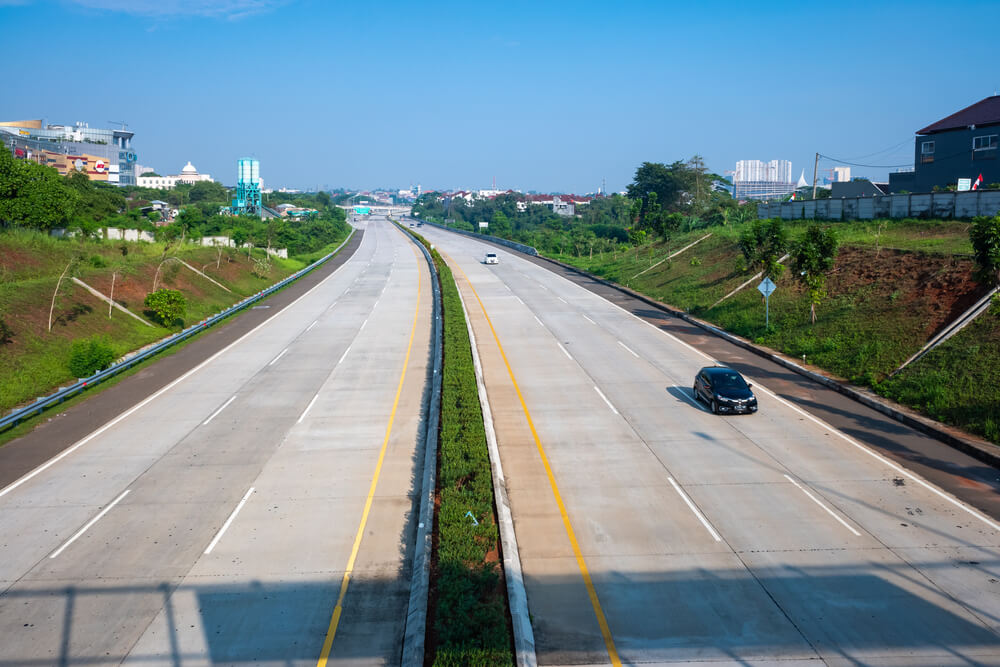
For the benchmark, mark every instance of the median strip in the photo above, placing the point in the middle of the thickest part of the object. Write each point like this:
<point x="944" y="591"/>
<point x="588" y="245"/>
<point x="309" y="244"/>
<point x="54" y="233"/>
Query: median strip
<point x="468" y="618"/>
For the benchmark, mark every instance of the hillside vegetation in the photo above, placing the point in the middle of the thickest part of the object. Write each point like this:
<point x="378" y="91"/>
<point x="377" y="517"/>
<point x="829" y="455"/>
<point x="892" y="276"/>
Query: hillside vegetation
<point x="34" y="360"/>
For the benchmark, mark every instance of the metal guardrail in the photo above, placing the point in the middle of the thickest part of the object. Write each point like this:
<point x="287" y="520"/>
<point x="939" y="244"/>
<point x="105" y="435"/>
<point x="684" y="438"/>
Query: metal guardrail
<point x="63" y="393"/>
<point x="415" y="630"/>
<point x="520" y="247"/>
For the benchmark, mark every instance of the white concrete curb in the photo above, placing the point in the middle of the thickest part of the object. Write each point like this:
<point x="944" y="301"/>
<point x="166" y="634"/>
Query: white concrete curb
<point x="517" y="597"/>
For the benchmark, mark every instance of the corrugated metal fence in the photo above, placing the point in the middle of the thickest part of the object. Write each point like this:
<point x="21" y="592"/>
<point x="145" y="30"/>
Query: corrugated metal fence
<point x="927" y="205"/>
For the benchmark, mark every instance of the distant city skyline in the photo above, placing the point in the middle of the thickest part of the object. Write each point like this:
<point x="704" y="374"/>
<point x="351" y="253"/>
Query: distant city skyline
<point x="552" y="98"/>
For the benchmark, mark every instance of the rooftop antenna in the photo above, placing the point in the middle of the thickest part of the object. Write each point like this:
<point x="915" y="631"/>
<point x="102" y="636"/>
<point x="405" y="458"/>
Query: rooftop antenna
<point x="120" y="122"/>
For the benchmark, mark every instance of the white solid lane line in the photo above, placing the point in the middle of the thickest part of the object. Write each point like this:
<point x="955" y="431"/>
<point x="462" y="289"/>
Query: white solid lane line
<point x="697" y="512"/>
<point x="631" y="351"/>
<point x="818" y="502"/>
<point x="568" y="355"/>
<point x="215" y="414"/>
<point x="938" y="492"/>
<point x="280" y="355"/>
<point x="519" y="299"/>
<point x="562" y="299"/>
<point x="308" y="408"/>
<point x="225" y="526"/>
<point x="344" y="356"/>
<point x="589" y="320"/>
<point x="538" y="320"/>
<point x="364" y="323"/>
<point x="312" y="325"/>
<point x="601" y="394"/>
<point x="89" y="524"/>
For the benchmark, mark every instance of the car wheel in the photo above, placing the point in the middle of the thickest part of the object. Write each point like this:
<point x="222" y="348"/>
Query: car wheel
<point x="715" y="407"/>
<point x="694" y="391"/>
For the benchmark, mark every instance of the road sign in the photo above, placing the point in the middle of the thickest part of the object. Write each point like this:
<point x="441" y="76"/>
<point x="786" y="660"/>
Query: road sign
<point x="767" y="287"/>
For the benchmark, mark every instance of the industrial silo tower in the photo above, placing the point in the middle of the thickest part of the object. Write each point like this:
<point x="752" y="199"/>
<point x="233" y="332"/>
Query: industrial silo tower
<point x="247" y="200"/>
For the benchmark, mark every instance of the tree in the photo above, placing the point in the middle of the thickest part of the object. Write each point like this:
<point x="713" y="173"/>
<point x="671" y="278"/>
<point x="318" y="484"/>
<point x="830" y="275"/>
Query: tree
<point x="763" y="243"/>
<point x="812" y="258"/>
<point x="70" y="269"/>
<point x="33" y="195"/>
<point x="985" y="237"/>
<point x="167" y="305"/>
<point x="208" y="191"/>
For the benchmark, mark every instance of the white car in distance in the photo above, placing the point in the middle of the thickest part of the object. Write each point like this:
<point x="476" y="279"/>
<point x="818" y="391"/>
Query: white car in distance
<point x="491" y="258"/>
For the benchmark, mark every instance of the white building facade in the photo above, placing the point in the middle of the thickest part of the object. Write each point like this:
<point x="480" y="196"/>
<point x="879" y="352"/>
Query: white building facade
<point x="189" y="174"/>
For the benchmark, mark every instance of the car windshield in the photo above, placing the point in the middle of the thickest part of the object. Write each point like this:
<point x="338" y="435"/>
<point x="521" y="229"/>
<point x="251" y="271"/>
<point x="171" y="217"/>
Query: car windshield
<point x="729" y="381"/>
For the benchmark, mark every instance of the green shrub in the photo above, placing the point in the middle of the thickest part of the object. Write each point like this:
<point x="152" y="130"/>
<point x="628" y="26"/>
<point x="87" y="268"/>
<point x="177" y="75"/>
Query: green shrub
<point x="88" y="356"/>
<point x="6" y="333"/>
<point x="167" y="306"/>
<point x="97" y="262"/>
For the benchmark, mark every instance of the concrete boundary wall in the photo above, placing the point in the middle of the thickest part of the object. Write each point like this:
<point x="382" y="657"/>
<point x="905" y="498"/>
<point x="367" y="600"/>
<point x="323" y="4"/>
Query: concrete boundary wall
<point x="910" y="205"/>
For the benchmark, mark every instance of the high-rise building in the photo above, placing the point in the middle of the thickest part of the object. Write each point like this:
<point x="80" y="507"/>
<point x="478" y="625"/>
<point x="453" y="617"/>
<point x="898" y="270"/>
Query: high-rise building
<point x="104" y="155"/>
<point x="754" y="179"/>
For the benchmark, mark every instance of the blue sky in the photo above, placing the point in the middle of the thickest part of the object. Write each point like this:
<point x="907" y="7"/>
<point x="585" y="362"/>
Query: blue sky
<point x="542" y="96"/>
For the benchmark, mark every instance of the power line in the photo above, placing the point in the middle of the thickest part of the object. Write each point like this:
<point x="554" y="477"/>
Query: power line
<point x="873" y="166"/>
<point x="886" y="150"/>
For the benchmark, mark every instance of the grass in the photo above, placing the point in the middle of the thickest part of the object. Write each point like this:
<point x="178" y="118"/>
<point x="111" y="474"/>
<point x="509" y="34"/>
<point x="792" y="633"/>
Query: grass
<point x="896" y="283"/>
<point x="468" y="611"/>
<point x="35" y="363"/>
<point x="970" y="398"/>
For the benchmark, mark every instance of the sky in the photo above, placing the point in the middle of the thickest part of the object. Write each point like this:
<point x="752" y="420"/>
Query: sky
<point x="545" y="96"/>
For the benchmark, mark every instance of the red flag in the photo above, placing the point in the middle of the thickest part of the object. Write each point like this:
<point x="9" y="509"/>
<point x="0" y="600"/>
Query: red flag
<point x="979" y="181"/>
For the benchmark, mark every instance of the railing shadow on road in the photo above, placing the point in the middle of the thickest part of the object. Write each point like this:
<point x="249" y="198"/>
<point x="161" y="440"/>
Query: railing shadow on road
<point x="669" y="612"/>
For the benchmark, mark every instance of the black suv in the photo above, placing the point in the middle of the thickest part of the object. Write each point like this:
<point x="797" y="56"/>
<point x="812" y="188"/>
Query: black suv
<point x="724" y="390"/>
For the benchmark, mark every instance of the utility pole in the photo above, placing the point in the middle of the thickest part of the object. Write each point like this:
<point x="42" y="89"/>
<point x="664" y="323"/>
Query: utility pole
<point x="815" y="171"/>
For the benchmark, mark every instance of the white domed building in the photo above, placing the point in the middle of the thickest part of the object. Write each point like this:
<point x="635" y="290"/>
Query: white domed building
<point x="189" y="174"/>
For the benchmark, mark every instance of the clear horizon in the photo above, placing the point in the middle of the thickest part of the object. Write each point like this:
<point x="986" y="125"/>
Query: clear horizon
<point x="550" y="98"/>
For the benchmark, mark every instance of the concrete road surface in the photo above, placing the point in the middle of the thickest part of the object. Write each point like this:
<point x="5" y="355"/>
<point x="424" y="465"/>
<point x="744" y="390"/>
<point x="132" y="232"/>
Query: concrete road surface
<point x="654" y="532"/>
<point x="226" y="519"/>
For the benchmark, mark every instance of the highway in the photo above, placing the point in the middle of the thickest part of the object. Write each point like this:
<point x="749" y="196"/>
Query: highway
<point x="256" y="509"/>
<point x="651" y="531"/>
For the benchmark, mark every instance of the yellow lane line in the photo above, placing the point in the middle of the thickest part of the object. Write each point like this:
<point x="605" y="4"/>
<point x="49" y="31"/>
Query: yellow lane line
<point x="338" y="610"/>
<point x="609" y="641"/>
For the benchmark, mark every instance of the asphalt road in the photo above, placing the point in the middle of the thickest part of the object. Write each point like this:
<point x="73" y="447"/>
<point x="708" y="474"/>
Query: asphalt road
<point x="257" y="509"/>
<point x="651" y="531"/>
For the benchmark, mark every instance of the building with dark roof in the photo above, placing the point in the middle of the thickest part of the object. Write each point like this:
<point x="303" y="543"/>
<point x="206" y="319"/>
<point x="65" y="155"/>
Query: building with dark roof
<point x="962" y="145"/>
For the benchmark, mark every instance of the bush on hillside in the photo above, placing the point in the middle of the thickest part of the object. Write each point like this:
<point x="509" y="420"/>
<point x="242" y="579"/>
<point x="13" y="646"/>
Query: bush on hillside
<point x="166" y="306"/>
<point x="6" y="333"/>
<point x="88" y="356"/>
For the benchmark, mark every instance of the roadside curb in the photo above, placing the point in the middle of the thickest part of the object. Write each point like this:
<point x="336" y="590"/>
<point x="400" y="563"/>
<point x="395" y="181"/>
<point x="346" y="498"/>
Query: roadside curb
<point x="517" y="596"/>
<point x="979" y="449"/>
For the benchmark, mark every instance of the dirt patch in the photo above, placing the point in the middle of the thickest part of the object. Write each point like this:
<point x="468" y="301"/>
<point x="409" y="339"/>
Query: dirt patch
<point x="938" y="287"/>
<point x="16" y="262"/>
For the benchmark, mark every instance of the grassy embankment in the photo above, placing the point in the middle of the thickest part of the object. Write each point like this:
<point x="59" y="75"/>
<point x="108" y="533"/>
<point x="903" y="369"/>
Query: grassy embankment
<point x="34" y="361"/>
<point x="468" y="619"/>
<point x="894" y="285"/>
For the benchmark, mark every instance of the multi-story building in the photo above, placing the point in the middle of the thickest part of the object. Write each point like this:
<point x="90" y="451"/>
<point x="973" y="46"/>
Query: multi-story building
<point x="104" y="155"/>
<point x="754" y="179"/>
<point x="189" y="174"/>
<point x="963" y="145"/>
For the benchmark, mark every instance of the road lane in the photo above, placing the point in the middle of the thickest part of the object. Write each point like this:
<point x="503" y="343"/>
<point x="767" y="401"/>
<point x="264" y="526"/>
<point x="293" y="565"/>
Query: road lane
<point x="138" y="585"/>
<point x="787" y="580"/>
